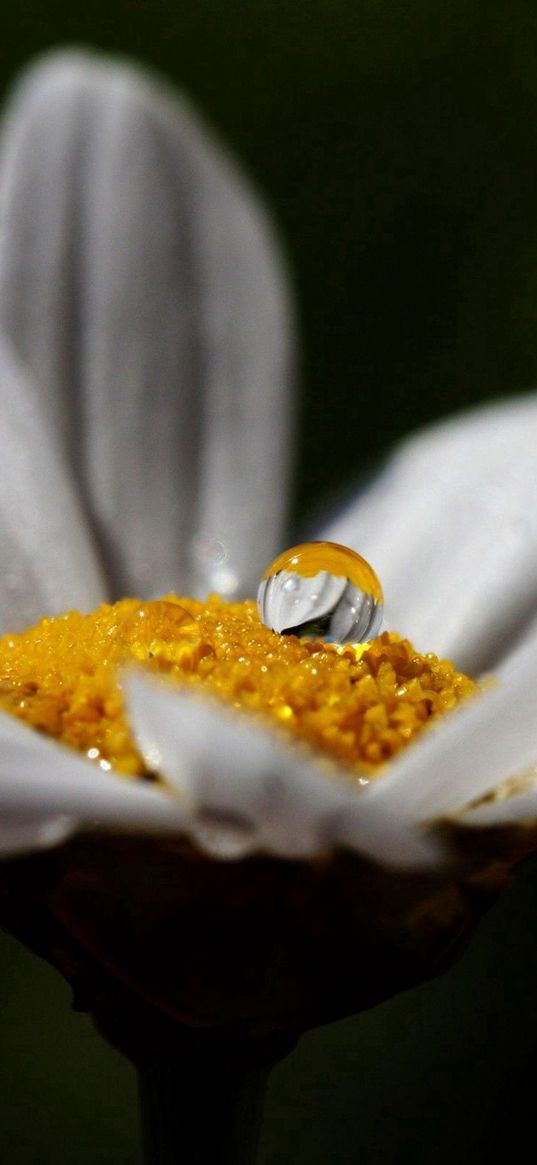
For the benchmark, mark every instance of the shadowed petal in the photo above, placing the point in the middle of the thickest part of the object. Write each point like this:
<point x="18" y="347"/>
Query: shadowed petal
<point x="141" y="284"/>
<point x="46" y="554"/>
<point x="451" y="527"/>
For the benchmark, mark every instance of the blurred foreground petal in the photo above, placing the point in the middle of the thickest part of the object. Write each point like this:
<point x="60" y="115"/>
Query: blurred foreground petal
<point x="42" y="782"/>
<point x="141" y="284"/>
<point x="236" y="773"/>
<point x="24" y="832"/>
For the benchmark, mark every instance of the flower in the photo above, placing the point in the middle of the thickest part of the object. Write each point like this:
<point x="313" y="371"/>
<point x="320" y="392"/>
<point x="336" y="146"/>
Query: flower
<point x="145" y="356"/>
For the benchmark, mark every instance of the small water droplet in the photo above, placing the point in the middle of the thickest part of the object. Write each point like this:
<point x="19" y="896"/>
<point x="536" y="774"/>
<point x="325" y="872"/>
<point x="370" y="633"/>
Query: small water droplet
<point x="213" y="570"/>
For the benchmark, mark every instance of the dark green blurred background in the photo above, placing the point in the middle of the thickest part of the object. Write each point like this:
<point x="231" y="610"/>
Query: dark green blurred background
<point x="397" y="146"/>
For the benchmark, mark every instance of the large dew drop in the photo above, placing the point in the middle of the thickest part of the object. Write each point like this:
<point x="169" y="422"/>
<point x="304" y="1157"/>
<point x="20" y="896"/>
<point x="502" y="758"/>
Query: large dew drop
<point x="321" y="590"/>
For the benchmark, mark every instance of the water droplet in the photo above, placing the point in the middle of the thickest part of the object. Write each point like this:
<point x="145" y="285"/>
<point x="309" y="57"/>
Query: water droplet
<point x="321" y="591"/>
<point x="212" y="567"/>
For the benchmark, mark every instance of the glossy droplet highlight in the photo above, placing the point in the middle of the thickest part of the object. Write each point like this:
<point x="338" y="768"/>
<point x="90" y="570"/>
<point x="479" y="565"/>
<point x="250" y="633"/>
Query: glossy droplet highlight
<point x="321" y="590"/>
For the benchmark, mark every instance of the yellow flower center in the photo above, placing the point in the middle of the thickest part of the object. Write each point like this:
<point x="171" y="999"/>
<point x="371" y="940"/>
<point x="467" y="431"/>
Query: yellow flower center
<point x="358" y="704"/>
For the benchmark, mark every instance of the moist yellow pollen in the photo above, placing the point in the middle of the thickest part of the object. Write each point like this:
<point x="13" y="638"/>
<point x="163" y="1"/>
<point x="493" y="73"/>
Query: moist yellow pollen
<point x="359" y="705"/>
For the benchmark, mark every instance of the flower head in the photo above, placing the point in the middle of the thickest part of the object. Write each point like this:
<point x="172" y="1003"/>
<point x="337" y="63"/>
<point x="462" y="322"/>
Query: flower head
<point x="145" y="396"/>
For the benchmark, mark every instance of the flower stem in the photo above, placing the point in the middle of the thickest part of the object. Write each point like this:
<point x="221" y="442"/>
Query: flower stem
<point x="205" y="1103"/>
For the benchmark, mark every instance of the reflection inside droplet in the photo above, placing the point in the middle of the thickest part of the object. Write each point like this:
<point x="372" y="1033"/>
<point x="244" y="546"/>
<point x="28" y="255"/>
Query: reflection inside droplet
<point x="291" y="584"/>
<point x="321" y="590"/>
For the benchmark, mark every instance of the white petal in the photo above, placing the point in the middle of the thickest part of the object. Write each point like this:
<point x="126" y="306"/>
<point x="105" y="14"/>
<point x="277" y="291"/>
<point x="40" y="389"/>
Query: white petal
<point x="22" y="833"/>
<point x="237" y="772"/>
<point x="47" y="790"/>
<point x="451" y="527"/>
<point x="141" y="283"/>
<point x="517" y="808"/>
<point x="47" y="563"/>
<point x="230" y="769"/>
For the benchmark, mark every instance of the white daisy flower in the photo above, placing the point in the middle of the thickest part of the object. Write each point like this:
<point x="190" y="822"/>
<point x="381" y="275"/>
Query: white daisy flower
<point x="145" y="393"/>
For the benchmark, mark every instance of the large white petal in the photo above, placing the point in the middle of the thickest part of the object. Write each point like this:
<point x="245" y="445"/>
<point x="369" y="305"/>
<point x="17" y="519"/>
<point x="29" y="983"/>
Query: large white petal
<point x="451" y="527"/>
<point x="47" y="561"/>
<point x="141" y="284"/>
